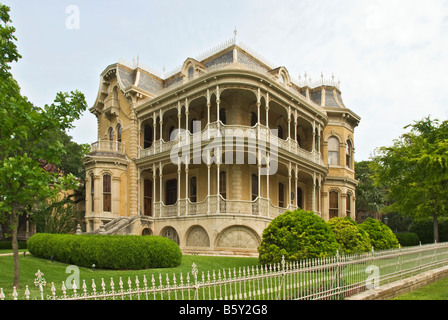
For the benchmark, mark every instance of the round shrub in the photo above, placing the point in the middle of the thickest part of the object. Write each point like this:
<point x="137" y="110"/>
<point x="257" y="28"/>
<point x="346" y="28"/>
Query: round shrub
<point x="381" y="236"/>
<point x="408" y="239"/>
<point x="350" y="237"/>
<point x="116" y="252"/>
<point x="296" y="235"/>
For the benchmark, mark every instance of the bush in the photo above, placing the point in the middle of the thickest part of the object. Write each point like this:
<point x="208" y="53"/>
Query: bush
<point x="425" y="230"/>
<point x="408" y="239"/>
<point x="381" y="236"/>
<point x="350" y="237"/>
<point x="7" y="244"/>
<point x="296" y="235"/>
<point x="107" y="252"/>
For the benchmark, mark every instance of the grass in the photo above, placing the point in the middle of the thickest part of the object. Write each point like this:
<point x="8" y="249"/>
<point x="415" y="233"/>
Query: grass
<point x="434" y="291"/>
<point x="56" y="272"/>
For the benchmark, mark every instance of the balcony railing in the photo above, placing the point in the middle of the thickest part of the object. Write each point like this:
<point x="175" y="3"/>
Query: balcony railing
<point x="214" y="204"/>
<point x="108" y="146"/>
<point x="260" y="132"/>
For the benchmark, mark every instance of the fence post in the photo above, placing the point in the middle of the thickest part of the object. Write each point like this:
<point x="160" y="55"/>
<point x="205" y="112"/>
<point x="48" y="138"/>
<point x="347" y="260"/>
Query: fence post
<point x="194" y="271"/>
<point x="40" y="282"/>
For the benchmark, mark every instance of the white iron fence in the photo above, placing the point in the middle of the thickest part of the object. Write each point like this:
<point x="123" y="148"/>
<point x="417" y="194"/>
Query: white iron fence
<point x="313" y="279"/>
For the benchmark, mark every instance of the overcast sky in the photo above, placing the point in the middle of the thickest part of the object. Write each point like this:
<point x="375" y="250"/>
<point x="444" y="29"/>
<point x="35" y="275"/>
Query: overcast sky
<point x="391" y="56"/>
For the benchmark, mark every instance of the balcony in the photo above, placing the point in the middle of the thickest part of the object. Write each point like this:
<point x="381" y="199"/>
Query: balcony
<point x="106" y="148"/>
<point x="214" y="204"/>
<point x="260" y="133"/>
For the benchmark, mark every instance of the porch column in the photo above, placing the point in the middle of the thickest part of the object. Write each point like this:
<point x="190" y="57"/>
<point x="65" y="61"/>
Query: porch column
<point x="208" y="186"/>
<point x="160" y="188"/>
<point x="153" y="189"/>
<point x="217" y="188"/>
<point x="160" y="129"/>
<point x="186" y="189"/>
<point x="208" y="113"/>
<point x="178" y="188"/>
<point x="289" y="187"/>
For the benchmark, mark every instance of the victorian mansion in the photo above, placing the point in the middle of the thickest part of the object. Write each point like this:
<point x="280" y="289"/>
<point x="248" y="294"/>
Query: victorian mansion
<point x="204" y="203"/>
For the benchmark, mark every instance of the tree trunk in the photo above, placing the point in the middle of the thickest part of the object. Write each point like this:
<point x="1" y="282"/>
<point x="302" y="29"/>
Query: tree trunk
<point x="436" y="227"/>
<point x="15" y="246"/>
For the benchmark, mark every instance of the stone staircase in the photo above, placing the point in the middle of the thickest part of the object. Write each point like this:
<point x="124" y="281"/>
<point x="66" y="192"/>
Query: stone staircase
<point x="121" y="225"/>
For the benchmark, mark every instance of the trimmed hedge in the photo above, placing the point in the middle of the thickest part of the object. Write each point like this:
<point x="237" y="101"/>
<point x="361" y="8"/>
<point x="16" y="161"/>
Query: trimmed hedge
<point x="117" y="252"/>
<point x="382" y="237"/>
<point x="350" y="237"/>
<point x="7" y="244"/>
<point x="408" y="239"/>
<point x="296" y="235"/>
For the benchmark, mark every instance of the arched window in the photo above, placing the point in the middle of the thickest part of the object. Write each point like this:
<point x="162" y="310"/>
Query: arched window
<point x="119" y="133"/>
<point x="171" y="192"/>
<point x="222" y="115"/>
<point x="334" y="204"/>
<point x="193" y="189"/>
<point x="147" y="136"/>
<point x="348" y="204"/>
<point x="190" y="72"/>
<point x="333" y="151"/>
<point x="107" y="193"/>
<point x="254" y="187"/>
<point x="348" y="154"/>
<point x="281" y="195"/>
<point x="111" y="134"/>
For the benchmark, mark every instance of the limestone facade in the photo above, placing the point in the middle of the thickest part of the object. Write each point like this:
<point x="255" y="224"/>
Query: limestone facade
<point x="237" y="173"/>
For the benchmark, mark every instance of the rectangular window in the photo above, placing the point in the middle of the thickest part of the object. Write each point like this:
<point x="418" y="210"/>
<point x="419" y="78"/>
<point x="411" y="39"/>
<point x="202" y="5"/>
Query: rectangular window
<point x="193" y="189"/>
<point x="281" y="195"/>
<point x="147" y="195"/>
<point x="334" y="204"/>
<point x="222" y="184"/>
<point x="254" y="187"/>
<point x="107" y="193"/>
<point x="171" y="192"/>
<point x="92" y="192"/>
<point x="348" y="204"/>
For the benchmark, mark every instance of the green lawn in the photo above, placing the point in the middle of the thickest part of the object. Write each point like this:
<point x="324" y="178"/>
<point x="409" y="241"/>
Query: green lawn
<point x="435" y="291"/>
<point x="56" y="271"/>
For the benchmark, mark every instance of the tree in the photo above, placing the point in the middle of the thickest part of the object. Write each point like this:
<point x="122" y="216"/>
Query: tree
<point x="414" y="171"/>
<point x="25" y="167"/>
<point x="369" y="197"/>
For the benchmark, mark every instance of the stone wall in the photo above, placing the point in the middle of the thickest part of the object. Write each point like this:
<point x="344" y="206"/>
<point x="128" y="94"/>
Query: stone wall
<point x="398" y="288"/>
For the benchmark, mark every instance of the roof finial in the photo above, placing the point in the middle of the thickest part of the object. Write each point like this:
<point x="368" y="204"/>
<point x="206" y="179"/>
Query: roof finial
<point x="234" y="35"/>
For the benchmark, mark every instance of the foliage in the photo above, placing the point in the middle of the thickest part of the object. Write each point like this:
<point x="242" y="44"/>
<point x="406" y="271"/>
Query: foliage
<point x="382" y="237"/>
<point x="107" y="252"/>
<point x="296" y="235"/>
<point x="425" y="230"/>
<point x="6" y="244"/>
<point x="56" y="216"/>
<point x="414" y="170"/>
<point x="26" y="157"/>
<point x="350" y="237"/>
<point x="369" y="197"/>
<point x="408" y="239"/>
